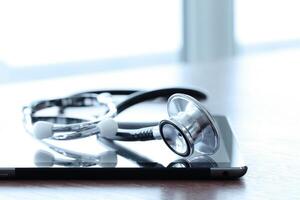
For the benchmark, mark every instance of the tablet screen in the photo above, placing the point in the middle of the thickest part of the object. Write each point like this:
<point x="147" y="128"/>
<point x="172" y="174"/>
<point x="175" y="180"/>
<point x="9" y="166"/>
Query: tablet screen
<point x="20" y="149"/>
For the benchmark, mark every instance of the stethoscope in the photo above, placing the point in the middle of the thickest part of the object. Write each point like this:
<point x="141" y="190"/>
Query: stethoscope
<point x="189" y="127"/>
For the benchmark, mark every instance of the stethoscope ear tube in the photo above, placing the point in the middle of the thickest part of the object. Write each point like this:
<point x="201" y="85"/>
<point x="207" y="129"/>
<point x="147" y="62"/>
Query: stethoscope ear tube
<point x="140" y="97"/>
<point x="112" y="92"/>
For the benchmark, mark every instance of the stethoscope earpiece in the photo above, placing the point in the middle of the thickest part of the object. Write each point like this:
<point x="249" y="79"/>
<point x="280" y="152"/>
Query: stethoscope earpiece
<point x="108" y="128"/>
<point x="42" y="130"/>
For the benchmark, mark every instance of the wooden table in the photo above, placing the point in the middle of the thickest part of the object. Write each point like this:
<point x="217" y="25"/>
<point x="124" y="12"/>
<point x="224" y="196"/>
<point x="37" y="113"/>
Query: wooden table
<point x="260" y="94"/>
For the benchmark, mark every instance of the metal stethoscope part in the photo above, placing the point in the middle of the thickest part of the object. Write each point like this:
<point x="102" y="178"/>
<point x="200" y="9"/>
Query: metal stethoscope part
<point x="45" y="129"/>
<point x="189" y="127"/>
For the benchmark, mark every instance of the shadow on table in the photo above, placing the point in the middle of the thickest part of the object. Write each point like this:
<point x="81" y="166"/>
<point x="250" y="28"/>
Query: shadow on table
<point x="145" y="189"/>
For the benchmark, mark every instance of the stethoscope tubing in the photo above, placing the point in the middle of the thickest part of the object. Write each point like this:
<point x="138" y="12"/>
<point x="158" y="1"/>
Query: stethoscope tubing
<point x="66" y="128"/>
<point x="134" y="97"/>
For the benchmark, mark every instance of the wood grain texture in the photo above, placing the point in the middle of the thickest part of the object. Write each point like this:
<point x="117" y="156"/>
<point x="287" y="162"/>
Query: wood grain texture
<point x="121" y="189"/>
<point x="260" y="96"/>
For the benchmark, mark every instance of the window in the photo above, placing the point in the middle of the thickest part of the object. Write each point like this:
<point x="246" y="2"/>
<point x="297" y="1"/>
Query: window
<point x="44" y="34"/>
<point x="267" y="25"/>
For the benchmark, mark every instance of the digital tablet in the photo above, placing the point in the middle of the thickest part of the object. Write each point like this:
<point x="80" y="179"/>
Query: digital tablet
<point x="23" y="157"/>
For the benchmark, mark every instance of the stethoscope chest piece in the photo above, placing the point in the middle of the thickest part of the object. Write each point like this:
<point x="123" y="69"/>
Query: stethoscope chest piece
<point x="189" y="128"/>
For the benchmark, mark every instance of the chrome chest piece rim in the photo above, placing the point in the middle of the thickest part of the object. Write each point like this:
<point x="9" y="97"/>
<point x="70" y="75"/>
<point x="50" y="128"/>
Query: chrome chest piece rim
<point x="190" y="120"/>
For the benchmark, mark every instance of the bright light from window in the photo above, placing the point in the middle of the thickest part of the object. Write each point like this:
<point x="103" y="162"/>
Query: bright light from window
<point x="266" y="21"/>
<point x="35" y="32"/>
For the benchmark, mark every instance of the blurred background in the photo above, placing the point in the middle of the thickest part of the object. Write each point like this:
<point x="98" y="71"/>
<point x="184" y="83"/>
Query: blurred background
<point x="244" y="54"/>
<point x="48" y="39"/>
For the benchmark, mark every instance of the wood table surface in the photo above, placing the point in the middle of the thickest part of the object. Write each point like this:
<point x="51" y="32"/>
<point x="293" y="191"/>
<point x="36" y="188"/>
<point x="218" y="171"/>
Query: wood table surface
<point x="260" y="95"/>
